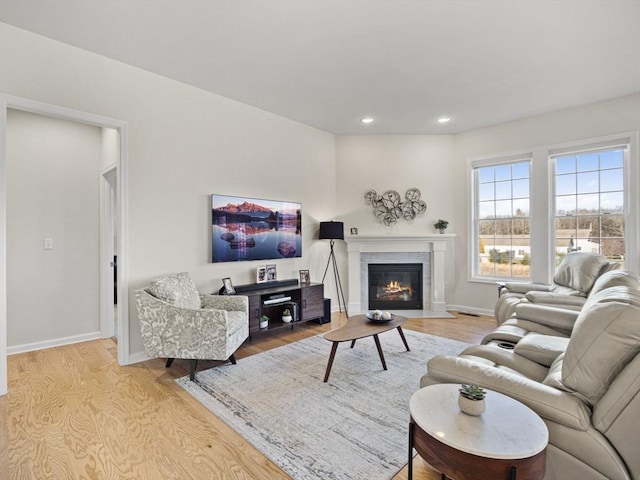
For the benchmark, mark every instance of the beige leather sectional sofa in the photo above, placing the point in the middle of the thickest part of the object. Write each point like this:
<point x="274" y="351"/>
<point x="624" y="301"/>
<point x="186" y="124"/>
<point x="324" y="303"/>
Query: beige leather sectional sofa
<point x="572" y="283"/>
<point x="579" y="370"/>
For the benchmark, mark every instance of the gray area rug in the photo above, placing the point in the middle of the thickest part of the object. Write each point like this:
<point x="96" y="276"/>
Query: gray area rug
<point x="353" y="427"/>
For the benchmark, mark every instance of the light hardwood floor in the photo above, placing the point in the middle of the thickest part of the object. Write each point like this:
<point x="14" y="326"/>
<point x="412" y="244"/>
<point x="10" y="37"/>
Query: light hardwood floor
<point x="73" y="413"/>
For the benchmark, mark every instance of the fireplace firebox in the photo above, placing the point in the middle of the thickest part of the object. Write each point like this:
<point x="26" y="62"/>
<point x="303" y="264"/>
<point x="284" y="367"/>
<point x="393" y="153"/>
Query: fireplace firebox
<point x="395" y="286"/>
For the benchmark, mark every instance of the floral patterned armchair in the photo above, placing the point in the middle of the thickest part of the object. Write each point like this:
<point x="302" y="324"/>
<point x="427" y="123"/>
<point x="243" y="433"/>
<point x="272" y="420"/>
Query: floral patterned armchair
<point x="177" y="322"/>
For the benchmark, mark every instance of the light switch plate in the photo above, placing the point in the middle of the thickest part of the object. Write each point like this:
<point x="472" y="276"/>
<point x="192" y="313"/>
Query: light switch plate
<point x="48" y="243"/>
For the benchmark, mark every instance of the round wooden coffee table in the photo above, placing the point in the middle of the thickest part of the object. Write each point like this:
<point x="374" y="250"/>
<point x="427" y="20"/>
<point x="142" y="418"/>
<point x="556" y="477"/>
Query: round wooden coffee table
<point x="508" y="441"/>
<point x="359" y="326"/>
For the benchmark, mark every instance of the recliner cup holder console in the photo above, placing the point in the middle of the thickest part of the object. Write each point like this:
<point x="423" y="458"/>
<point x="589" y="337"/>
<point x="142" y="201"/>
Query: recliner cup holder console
<point x="506" y="345"/>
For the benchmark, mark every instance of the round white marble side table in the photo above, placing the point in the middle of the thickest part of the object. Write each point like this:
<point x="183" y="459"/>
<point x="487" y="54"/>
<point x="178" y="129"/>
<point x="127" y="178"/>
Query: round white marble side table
<point x="508" y="441"/>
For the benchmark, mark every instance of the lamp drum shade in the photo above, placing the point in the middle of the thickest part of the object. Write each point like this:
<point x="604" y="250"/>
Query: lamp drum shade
<point x="331" y="231"/>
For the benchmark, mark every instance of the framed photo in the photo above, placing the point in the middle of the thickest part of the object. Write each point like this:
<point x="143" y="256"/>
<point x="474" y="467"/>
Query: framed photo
<point x="354" y="230"/>
<point x="304" y="276"/>
<point x="261" y="274"/>
<point x="272" y="274"/>
<point x="228" y="286"/>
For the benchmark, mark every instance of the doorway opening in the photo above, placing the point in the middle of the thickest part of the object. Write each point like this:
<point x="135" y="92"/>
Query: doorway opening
<point x="119" y="233"/>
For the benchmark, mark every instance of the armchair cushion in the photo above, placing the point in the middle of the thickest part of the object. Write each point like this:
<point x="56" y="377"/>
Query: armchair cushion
<point x="178" y="290"/>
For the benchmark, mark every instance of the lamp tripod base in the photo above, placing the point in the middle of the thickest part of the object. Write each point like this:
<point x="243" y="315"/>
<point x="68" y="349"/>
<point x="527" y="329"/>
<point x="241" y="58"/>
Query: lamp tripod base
<point x="336" y="275"/>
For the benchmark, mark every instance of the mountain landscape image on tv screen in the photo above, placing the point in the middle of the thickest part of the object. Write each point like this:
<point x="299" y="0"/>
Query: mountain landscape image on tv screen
<point x="255" y="229"/>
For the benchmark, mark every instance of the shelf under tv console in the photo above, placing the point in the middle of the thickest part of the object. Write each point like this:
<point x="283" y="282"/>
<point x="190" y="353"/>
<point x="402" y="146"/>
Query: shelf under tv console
<point x="305" y="301"/>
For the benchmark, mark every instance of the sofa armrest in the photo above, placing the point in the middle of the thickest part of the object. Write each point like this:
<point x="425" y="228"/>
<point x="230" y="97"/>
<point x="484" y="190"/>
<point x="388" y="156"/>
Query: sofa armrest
<point x="542" y="349"/>
<point x="554" y="317"/>
<point x="518" y="287"/>
<point x="548" y="402"/>
<point x="226" y="302"/>
<point x="571" y="302"/>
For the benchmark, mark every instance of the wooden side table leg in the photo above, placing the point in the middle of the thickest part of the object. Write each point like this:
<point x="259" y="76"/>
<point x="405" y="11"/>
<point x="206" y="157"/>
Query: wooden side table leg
<point x="334" y="347"/>
<point x="404" y="340"/>
<point x="377" y="340"/>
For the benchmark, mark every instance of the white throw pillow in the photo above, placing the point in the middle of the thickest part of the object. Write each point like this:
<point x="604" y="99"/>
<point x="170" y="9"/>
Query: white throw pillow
<point x="178" y="290"/>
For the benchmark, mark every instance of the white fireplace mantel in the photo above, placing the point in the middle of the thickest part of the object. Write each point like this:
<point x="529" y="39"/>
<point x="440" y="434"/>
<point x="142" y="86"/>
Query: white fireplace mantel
<point x="434" y="244"/>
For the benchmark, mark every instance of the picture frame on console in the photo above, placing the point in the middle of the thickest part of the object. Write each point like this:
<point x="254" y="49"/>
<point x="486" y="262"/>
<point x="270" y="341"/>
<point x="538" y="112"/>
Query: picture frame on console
<point x="228" y="286"/>
<point x="304" y="276"/>
<point x="272" y="273"/>
<point x="261" y="274"/>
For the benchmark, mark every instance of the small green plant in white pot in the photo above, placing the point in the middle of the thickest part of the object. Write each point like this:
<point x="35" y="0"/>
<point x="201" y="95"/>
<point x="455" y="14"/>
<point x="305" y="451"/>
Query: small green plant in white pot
<point x="471" y="399"/>
<point x="286" y="315"/>
<point x="264" y="321"/>
<point x="441" y="225"/>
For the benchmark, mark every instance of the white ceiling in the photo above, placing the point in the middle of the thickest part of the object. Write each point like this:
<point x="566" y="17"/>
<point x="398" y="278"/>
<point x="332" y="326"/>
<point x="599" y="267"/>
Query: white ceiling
<point x="328" y="63"/>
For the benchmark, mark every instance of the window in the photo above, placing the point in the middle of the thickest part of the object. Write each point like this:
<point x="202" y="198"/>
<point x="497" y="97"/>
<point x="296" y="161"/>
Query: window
<point x="589" y="203"/>
<point x="501" y="219"/>
<point x="528" y="210"/>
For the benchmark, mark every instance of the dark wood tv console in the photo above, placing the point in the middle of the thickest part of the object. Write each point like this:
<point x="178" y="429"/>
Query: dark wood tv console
<point x="305" y="301"/>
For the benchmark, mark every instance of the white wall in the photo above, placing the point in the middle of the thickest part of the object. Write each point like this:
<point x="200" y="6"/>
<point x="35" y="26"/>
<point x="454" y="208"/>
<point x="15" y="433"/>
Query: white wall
<point x="184" y="144"/>
<point x="581" y="123"/>
<point x="52" y="192"/>
<point x="397" y="162"/>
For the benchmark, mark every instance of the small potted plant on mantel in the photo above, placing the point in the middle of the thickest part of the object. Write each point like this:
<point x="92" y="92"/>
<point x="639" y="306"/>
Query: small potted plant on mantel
<point x="471" y="399"/>
<point x="441" y="225"/>
<point x="286" y="315"/>
<point x="264" y="321"/>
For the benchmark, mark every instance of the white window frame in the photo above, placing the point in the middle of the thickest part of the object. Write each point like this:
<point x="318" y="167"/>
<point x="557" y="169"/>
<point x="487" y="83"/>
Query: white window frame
<point x="631" y="189"/>
<point x="542" y="202"/>
<point x="489" y="161"/>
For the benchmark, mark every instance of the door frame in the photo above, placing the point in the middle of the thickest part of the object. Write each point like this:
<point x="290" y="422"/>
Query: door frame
<point x="40" y="108"/>
<point x="108" y="217"/>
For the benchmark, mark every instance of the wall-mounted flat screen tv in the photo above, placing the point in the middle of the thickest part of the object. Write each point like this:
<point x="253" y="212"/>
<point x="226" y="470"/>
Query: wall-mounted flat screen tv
<point x="255" y="229"/>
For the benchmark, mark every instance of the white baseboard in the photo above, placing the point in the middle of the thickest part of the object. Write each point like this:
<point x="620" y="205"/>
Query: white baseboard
<point x="55" y="342"/>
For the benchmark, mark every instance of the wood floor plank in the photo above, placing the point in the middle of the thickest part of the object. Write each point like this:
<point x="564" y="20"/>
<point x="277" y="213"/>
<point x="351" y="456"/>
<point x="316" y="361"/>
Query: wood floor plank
<point x="73" y="413"/>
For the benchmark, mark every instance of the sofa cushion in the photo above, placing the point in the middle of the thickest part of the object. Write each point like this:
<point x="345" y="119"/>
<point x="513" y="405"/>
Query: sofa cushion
<point x="579" y="270"/>
<point x="605" y="338"/>
<point x="616" y="278"/>
<point x="554" y="375"/>
<point x="178" y="290"/>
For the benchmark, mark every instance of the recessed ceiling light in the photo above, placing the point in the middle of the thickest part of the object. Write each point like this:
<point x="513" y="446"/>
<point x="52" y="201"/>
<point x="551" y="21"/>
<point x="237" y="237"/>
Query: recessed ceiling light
<point x="367" y="120"/>
<point x="443" y="119"/>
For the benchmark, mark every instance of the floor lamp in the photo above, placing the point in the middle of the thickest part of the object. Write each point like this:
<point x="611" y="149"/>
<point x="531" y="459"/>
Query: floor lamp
<point x="333" y="231"/>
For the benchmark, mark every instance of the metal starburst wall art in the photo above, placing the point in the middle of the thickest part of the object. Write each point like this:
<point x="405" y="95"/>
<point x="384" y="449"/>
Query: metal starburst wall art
<point x="389" y="206"/>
